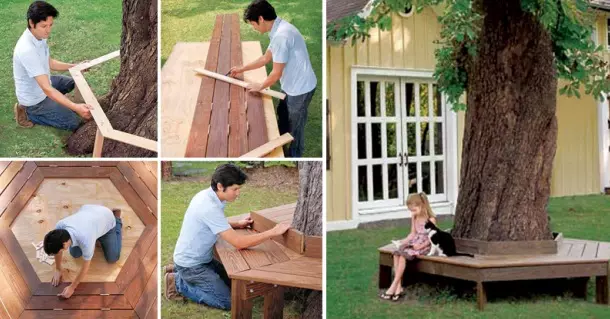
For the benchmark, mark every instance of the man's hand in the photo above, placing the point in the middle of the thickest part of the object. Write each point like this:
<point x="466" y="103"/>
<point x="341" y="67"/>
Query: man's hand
<point x="244" y="223"/>
<point x="280" y="229"/>
<point x="84" y="111"/>
<point x="67" y="293"/>
<point x="56" y="278"/>
<point x="235" y="71"/>
<point x="254" y="87"/>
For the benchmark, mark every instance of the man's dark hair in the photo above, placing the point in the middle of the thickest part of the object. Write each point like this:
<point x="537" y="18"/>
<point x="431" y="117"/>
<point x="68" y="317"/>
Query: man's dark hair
<point x="259" y="8"/>
<point x="54" y="241"/>
<point x="227" y="175"/>
<point x="40" y="11"/>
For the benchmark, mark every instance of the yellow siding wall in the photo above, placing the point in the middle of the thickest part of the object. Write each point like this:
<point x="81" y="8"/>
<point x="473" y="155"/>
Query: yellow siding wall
<point x="408" y="45"/>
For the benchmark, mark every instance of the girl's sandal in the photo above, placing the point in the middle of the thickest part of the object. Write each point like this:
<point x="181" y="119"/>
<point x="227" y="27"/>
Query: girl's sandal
<point x="386" y="296"/>
<point x="398" y="296"/>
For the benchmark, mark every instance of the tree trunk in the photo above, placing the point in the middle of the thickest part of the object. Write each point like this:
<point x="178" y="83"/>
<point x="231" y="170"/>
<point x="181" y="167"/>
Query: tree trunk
<point x="166" y="170"/>
<point x="131" y="105"/>
<point x="510" y="131"/>
<point x="308" y="219"/>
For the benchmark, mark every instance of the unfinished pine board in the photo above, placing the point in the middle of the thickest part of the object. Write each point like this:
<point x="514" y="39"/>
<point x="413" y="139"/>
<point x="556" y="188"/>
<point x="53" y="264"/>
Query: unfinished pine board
<point x="268" y="147"/>
<point x="180" y="90"/>
<point x="237" y="82"/>
<point x="96" y="61"/>
<point x="131" y="139"/>
<point x="58" y="198"/>
<point x="103" y="124"/>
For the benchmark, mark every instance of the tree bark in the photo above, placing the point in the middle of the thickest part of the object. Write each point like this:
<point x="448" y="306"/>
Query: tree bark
<point x="308" y="219"/>
<point x="510" y="131"/>
<point x="131" y="105"/>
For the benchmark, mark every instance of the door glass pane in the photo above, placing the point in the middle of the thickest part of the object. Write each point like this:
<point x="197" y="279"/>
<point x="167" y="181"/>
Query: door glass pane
<point x="391" y="136"/>
<point x="377" y="182"/>
<point x="392" y="181"/>
<point x="425" y="175"/>
<point x="438" y="105"/>
<point x="411" y="139"/>
<point x="361" y="141"/>
<point x="440" y="177"/>
<point x="409" y="99"/>
<point x="425" y="138"/>
<point x="412" y="177"/>
<point x="438" y="139"/>
<point x="375" y="99"/>
<point x="360" y="97"/>
<point x="423" y="99"/>
<point x="376" y="142"/>
<point x="390" y="108"/>
<point x="362" y="184"/>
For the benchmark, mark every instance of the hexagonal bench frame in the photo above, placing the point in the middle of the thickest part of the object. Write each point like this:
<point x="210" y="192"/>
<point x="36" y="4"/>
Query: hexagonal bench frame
<point x="134" y="292"/>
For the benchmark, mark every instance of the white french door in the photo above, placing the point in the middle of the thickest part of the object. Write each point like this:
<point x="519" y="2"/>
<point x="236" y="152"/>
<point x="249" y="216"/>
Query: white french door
<point x="400" y="142"/>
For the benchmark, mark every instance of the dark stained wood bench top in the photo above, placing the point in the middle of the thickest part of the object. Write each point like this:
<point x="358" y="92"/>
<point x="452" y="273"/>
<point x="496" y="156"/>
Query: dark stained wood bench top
<point x="571" y="251"/>
<point x="272" y="261"/>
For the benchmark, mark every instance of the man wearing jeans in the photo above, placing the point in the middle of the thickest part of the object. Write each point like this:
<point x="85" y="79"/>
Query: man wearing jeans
<point x="78" y="234"/>
<point x="40" y="95"/>
<point x="291" y="66"/>
<point x="196" y="274"/>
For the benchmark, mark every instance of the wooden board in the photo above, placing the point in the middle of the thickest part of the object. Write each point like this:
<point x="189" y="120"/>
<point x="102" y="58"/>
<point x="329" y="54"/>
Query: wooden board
<point x="103" y="124"/>
<point x="198" y="138"/>
<point x="14" y="293"/>
<point x="136" y="203"/>
<point x="238" y="135"/>
<point x="9" y="170"/>
<point x="20" y="259"/>
<point x="131" y="139"/>
<point x="85" y="288"/>
<point x="313" y="246"/>
<point x="58" y="198"/>
<point x="280" y="279"/>
<point x="81" y="172"/>
<point x="21" y="198"/>
<point x="13" y="188"/>
<point x="179" y="98"/>
<point x="138" y="185"/>
<point x="231" y="258"/>
<point x="78" y="302"/>
<point x="293" y="239"/>
<point x="78" y="314"/>
<point x="264" y="149"/>
<point x="76" y="163"/>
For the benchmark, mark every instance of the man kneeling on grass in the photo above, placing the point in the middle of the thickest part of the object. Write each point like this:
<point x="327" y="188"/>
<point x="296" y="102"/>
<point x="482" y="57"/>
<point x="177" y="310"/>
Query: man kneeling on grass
<point x="78" y="233"/>
<point x="196" y="274"/>
<point x="40" y="94"/>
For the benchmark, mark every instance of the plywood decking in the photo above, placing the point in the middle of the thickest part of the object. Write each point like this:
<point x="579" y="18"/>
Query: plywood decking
<point x="575" y="258"/>
<point x="39" y="193"/>
<point x="189" y="101"/>
<point x="264" y="270"/>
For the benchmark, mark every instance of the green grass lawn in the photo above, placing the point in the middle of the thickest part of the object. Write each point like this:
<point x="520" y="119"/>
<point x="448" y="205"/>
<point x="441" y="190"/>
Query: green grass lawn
<point x="193" y="21"/>
<point x="85" y="29"/>
<point x="352" y="261"/>
<point x="176" y="196"/>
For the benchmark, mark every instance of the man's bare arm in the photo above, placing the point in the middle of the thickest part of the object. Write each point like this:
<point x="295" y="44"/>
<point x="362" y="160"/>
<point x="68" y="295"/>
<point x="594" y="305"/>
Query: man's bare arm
<point x="244" y="241"/>
<point x="59" y="66"/>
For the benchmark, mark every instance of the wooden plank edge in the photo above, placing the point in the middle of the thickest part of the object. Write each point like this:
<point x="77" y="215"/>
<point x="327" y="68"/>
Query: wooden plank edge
<point x="243" y="84"/>
<point x="87" y="65"/>
<point x="131" y="139"/>
<point x="269" y="147"/>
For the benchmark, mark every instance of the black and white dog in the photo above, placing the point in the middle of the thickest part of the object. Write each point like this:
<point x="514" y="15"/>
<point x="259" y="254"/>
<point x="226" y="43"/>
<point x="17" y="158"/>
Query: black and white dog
<point x="442" y="243"/>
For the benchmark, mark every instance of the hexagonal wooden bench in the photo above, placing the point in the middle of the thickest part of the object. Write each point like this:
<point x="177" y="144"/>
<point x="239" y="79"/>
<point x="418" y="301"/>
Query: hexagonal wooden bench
<point x="34" y="196"/>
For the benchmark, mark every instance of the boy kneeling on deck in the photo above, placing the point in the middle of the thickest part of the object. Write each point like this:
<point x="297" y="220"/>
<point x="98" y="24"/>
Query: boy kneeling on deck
<point x="78" y="234"/>
<point x="196" y="275"/>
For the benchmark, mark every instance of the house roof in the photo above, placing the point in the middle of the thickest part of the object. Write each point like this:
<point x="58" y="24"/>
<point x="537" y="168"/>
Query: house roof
<point x="602" y="4"/>
<point x="337" y="9"/>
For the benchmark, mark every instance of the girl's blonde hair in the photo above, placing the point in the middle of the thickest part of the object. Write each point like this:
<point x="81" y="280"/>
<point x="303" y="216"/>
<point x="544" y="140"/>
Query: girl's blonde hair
<point x="421" y="200"/>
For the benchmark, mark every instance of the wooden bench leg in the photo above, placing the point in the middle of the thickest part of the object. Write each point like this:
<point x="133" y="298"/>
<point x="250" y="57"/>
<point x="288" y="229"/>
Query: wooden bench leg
<point x="481" y="296"/>
<point x="274" y="303"/>
<point x="241" y="308"/>
<point x="385" y="276"/>
<point x="579" y="288"/>
<point x="601" y="290"/>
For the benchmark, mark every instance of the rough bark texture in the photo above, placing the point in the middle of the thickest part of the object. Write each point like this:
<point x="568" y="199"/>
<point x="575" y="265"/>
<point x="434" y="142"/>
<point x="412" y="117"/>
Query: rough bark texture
<point x="166" y="170"/>
<point x="131" y="105"/>
<point x="308" y="219"/>
<point x="510" y="131"/>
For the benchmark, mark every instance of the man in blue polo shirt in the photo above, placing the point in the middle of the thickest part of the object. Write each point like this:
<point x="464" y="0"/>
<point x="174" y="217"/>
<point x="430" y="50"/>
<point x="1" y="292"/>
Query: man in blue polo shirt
<point x="195" y="274"/>
<point x="40" y="95"/>
<point x="78" y="233"/>
<point x="291" y="66"/>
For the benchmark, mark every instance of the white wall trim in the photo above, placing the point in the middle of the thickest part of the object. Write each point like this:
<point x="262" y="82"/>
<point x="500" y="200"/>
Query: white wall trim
<point x="603" y="138"/>
<point x="341" y="225"/>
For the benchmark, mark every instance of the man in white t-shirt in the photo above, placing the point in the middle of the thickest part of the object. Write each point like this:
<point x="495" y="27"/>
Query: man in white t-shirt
<point x="78" y="233"/>
<point x="40" y="95"/>
<point x="291" y="66"/>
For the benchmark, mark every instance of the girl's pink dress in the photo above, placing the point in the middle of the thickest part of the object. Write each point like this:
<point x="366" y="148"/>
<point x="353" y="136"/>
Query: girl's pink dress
<point x="420" y="237"/>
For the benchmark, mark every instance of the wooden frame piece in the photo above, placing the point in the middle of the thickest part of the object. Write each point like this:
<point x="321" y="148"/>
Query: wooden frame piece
<point x="104" y="126"/>
<point x="230" y="80"/>
<point x="268" y="147"/>
<point x="133" y="294"/>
